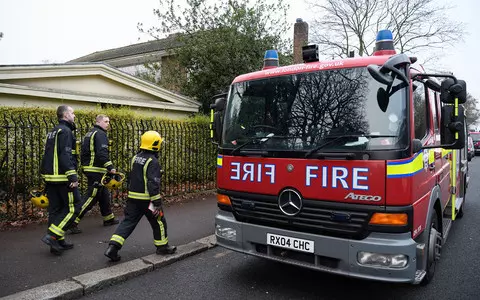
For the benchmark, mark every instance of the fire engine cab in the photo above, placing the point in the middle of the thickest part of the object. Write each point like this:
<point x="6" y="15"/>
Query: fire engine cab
<point x="356" y="167"/>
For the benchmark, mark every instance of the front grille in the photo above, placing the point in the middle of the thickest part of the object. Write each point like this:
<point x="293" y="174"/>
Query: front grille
<point x="317" y="217"/>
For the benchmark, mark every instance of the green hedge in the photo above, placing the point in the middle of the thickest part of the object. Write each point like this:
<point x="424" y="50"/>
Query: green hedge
<point x="187" y="156"/>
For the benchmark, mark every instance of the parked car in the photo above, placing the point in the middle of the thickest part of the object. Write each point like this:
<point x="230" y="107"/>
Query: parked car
<point x="476" y="141"/>
<point x="471" y="149"/>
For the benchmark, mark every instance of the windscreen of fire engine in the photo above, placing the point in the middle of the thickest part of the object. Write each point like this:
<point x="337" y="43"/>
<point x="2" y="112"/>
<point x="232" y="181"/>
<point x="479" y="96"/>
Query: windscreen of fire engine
<point x="336" y="110"/>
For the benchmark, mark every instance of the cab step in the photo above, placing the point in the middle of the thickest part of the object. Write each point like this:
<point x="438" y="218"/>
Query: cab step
<point x="447" y="225"/>
<point x="447" y="213"/>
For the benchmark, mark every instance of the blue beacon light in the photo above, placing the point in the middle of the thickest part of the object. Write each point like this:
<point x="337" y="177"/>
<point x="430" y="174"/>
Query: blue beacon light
<point x="270" y="60"/>
<point x="384" y="43"/>
<point x="384" y="35"/>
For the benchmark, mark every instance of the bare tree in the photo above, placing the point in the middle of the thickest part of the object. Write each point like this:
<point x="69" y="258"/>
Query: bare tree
<point x="351" y="25"/>
<point x="472" y="113"/>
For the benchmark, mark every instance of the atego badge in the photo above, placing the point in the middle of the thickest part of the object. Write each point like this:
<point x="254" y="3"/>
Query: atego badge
<point x="354" y="196"/>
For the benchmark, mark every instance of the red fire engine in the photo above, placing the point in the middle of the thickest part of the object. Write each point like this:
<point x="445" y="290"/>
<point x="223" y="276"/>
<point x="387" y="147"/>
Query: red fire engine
<point x="356" y="167"/>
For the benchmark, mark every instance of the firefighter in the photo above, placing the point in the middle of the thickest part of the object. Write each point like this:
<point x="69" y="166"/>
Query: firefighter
<point x="143" y="198"/>
<point x="58" y="169"/>
<point x="95" y="163"/>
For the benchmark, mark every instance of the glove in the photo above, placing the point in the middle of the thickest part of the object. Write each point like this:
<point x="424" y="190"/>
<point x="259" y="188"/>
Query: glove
<point x="156" y="208"/>
<point x="73" y="184"/>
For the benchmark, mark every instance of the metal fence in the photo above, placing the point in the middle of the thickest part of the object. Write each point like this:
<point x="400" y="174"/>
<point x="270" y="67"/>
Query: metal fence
<point x="188" y="157"/>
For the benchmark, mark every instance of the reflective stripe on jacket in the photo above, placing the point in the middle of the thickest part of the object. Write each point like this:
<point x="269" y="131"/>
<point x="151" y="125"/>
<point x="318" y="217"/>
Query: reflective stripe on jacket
<point x="144" y="177"/>
<point x="95" y="155"/>
<point x="58" y="162"/>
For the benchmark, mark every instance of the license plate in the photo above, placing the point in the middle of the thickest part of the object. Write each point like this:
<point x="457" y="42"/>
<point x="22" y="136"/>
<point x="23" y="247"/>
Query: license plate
<point x="290" y="243"/>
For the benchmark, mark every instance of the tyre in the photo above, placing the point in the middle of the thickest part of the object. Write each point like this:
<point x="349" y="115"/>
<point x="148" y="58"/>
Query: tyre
<point x="434" y="246"/>
<point x="460" y="212"/>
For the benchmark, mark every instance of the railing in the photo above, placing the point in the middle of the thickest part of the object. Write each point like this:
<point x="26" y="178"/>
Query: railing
<point x="187" y="157"/>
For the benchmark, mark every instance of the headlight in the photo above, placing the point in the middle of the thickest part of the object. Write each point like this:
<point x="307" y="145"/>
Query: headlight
<point x="382" y="260"/>
<point x="226" y="233"/>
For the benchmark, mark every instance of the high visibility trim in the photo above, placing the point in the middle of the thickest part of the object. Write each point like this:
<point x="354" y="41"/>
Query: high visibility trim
<point x="56" y="230"/>
<point x="406" y="167"/>
<point x="55" y="154"/>
<point x="77" y="147"/>
<point x="161" y="242"/>
<point x="87" y="203"/>
<point x="145" y="175"/>
<point x="446" y="152"/>
<point x="94" y="169"/>
<point x="74" y="152"/>
<point x="156" y="197"/>
<point x="108" y="217"/>
<point x="118" y="239"/>
<point x="108" y="163"/>
<point x="71" y="172"/>
<point x="55" y="178"/>
<point x="133" y="160"/>
<point x="431" y="156"/>
<point x="71" y="211"/>
<point x="211" y="123"/>
<point x="139" y="196"/>
<point x="92" y="149"/>
<point x="163" y="239"/>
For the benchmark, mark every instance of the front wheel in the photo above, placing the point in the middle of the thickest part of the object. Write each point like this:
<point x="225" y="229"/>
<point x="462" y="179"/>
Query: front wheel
<point x="434" y="247"/>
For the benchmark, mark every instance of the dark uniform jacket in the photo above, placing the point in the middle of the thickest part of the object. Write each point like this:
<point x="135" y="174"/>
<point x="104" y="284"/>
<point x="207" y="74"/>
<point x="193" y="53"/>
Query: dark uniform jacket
<point x="94" y="155"/>
<point x="144" y="177"/>
<point x="59" y="161"/>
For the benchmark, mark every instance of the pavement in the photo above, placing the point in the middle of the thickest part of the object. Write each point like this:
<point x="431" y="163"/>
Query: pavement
<point x="29" y="271"/>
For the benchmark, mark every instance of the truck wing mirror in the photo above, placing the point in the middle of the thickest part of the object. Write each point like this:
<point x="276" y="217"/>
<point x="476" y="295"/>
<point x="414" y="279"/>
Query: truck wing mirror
<point x="433" y="85"/>
<point x="384" y="73"/>
<point x="453" y="89"/>
<point x="216" y="116"/>
<point x="375" y="72"/>
<point x="453" y="92"/>
<point x="452" y="131"/>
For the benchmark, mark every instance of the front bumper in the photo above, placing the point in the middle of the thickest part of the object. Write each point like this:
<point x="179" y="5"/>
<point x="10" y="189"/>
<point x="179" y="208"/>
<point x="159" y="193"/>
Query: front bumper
<point x="331" y="254"/>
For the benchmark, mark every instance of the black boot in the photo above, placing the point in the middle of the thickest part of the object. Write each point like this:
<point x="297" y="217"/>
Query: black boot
<point x="65" y="245"/>
<point x="74" y="229"/>
<point x="54" y="244"/>
<point x="110" y="222"/>
<point x="112" y="253"/>
<point x="166" y="249"/>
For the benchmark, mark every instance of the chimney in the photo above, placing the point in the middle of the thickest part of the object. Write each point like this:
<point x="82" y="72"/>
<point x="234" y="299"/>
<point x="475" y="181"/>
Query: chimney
<point x="300" y="39"/>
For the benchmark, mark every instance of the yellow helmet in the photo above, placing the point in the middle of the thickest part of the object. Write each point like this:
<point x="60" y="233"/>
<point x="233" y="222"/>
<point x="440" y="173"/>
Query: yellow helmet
<point x="113" y="181"/>
<point x="151" y="140"/>
<point x="39" y="198"/>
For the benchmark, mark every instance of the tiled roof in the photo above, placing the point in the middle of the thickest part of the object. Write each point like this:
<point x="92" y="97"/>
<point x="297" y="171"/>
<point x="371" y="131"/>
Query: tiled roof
<point x="141" y="48"/>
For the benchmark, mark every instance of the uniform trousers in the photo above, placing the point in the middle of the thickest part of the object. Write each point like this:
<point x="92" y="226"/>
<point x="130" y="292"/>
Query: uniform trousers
<point x="134" y="211"/>
<point x="63" y="207"/>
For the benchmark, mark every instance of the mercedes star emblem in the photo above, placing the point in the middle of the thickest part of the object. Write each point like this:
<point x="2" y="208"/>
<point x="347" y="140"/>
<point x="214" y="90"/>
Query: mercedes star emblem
<point x="290" y="202"/>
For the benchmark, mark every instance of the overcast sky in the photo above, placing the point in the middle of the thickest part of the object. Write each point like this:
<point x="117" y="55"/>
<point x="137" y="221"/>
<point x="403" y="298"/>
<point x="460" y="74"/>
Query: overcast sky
<point x="55" y="31"/>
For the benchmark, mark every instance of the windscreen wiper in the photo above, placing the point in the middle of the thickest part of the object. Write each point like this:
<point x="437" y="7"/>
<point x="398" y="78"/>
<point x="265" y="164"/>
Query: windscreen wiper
<point x="336" y="138"/>
<point x="261" y="138"/>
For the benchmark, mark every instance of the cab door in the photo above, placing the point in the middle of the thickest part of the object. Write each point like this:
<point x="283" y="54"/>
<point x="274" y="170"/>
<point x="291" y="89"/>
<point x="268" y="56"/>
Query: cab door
<point x="442" y="157"/>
